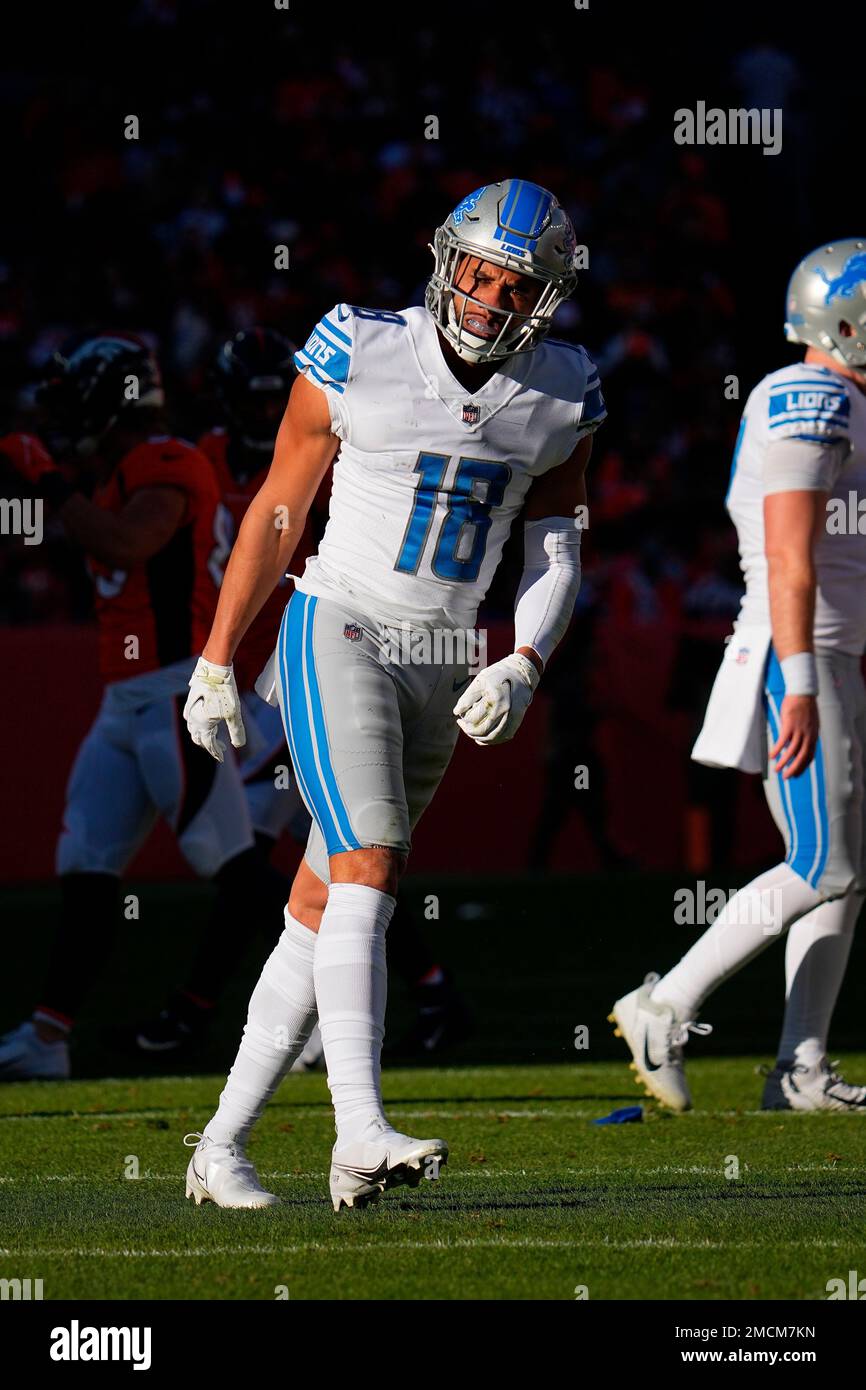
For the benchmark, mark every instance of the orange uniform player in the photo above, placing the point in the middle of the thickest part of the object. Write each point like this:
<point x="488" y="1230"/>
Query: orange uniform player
<point x="145" y="509"/>
<point x="167" y="601"/>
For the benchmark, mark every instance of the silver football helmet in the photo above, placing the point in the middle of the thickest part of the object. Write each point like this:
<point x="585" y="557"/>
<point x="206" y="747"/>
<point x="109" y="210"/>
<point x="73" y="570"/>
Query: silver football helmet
<point x="827" y="289"/>
<point x="515" y="224"/>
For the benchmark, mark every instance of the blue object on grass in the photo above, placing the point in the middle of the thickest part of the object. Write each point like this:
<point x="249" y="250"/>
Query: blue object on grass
<point x="630" y="1114"/>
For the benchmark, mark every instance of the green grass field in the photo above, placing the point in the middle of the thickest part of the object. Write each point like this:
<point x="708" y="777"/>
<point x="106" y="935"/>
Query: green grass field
<point x="535" y="1202"/>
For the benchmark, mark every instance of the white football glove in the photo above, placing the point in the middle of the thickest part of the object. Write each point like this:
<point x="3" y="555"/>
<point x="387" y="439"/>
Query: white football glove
<point x="491" y="708"/>
<point x="213" y="697"/>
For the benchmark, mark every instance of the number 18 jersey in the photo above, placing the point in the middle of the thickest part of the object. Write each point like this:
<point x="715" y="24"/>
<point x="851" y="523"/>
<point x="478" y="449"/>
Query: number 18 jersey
<point x="429" y="475"/>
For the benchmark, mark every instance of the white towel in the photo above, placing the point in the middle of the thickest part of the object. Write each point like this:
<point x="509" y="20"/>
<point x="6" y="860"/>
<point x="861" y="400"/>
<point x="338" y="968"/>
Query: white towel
<point x="733" y="729"/>
<point x="266" y="685"/>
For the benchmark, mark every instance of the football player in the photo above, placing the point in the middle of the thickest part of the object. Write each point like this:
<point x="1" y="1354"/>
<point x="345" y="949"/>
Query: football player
<point x="789" y="699"/>
<point x="444" y="424"/>
<point x="253" y="374"/>
<point x="144" y="507"/>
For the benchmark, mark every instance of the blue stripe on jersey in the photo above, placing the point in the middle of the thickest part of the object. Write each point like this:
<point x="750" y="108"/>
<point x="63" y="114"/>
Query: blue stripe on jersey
<point x="338" y="332"/>
<point x="804" y="797"/>
<point x="332" y="359"/>
<point x="826" y="385"/>
<point x="824" y="417"/>
<point x="821" y="438"/>
<point x="327" y="353"/>
<point x="737" y="447"/>
<point x="807" y="419"/>
<point x="301" y="361"/>
<point x="593" y="406"/>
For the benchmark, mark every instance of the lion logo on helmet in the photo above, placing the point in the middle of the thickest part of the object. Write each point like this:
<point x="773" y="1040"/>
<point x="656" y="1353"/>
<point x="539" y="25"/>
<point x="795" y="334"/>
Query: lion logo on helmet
<point x="467" y="205"/>
<point x="843" y="285"/>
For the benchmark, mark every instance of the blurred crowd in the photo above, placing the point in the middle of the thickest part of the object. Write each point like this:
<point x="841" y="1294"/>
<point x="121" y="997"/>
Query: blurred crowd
<point x="304" y="133"/>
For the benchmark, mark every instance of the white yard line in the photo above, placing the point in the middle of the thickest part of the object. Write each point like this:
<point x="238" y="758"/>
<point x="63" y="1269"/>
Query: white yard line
<point x="338" y="1247"/>
<point x="491" y="1112"/>
<point x="474" y="1171"/>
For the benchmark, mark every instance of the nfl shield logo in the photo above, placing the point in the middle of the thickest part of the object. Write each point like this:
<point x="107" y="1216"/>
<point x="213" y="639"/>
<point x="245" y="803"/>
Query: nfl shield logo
<point x="471" y="414"/>
<point x="352" y="632"/>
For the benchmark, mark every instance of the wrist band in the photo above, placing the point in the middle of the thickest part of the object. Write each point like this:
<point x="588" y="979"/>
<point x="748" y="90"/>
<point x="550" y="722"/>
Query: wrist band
<point x="800" y="673"/>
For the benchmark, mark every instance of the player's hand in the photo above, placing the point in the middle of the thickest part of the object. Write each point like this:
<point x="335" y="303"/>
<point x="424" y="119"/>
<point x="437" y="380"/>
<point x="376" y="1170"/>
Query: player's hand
<point x="795" y="747"/>
<point x="213" y="697"/>
<point x="29" y="457"/>
<point x="491" y="708"/>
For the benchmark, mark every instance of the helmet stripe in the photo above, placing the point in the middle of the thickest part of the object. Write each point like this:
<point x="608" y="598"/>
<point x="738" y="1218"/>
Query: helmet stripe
<point x="523" y="216"/>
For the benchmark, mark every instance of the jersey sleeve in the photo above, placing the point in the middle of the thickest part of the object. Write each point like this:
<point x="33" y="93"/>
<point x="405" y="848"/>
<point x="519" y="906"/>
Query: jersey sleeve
<point x="326" y="360"/>
<point x="810" y="410"/>
<point x="592" y="412"/>
<point x="795" y="464"/>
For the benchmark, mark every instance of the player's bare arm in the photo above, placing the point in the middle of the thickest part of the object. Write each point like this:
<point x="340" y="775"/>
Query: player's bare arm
<point x="270" y="531"/>
<point x="792" y="521"/>
<point x="275" y="519"/>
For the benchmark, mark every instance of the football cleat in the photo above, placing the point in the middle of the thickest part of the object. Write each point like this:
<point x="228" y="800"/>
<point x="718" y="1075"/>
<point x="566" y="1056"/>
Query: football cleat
<point x="362" y="1171"/>
<point x="25" y="1057"/>
<point x="222" y="1174"/>
<point x="313" y="1056"/>
<point x="656" y="1038"/>
<point x="793" y="1086"/>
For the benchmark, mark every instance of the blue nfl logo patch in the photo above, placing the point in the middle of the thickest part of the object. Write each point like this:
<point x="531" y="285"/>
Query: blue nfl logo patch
<point x="352" y="631"/>
<point x="471" y="414"/>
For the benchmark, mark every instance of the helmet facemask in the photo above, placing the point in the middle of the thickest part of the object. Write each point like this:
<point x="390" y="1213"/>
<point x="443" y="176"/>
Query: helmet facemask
<point x="521" y="228"/>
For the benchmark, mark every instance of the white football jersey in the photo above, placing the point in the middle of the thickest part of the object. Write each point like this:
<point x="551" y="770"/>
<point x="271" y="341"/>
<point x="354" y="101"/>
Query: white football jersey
<point x="817" y="405"/>
<point x="429" y="476"/>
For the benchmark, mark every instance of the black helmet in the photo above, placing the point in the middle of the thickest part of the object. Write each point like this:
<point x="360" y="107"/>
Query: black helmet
<point x="254" y="374"/>
<point x="85" y="391"/>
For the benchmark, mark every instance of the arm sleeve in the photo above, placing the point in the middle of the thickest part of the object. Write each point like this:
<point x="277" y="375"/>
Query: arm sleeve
<point x="326" y="361"/>
<point x="549" y="584"/>
<point x="802" y="465"/>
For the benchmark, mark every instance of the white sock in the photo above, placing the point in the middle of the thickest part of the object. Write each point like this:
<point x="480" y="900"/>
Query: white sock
<point x="281" y="1016"/>
<point x="740" y="932"/>
<point x="351" y="991"/>
<point x="815" y="959"/>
